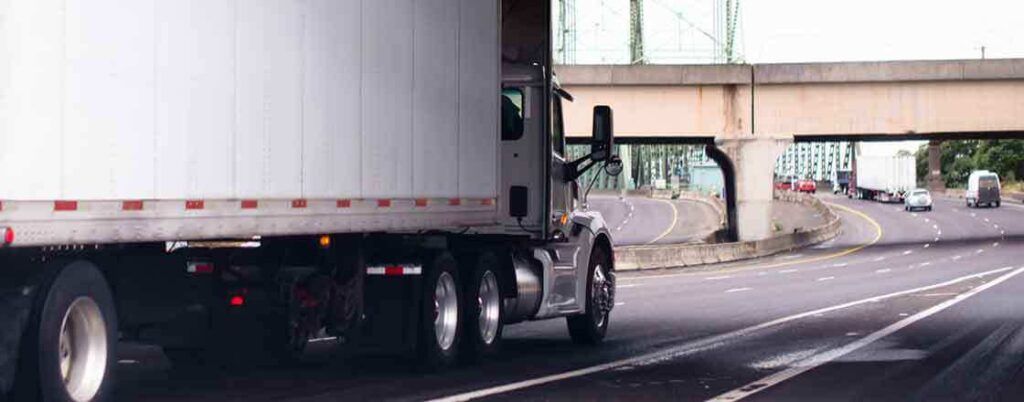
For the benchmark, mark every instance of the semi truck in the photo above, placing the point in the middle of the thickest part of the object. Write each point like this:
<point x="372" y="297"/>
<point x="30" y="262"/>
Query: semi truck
<point x="233" y="179"/>
<point x="881" y="174"/>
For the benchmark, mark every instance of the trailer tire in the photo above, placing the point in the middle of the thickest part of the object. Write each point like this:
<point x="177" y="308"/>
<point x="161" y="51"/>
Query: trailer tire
<point x="69" y="349"/>
<point x="440" y="324"/>
<point x="590" y="327"/>
<point x="484" y="309"/>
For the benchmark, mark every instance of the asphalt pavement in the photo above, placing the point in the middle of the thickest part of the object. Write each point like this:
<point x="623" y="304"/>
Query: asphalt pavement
<point x="901" y="306"/>
<point x="643" y="220"/>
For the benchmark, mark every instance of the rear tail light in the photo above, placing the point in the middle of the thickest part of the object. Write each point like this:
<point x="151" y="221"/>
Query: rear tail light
<point x="197" y="267"/>
<point x="8" y="236"/>
<point x="236" y="301"/>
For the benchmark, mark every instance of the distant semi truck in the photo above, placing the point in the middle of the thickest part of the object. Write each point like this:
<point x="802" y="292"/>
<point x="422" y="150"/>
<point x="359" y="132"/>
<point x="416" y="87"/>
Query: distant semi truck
<point x="881" y="174"/>
<point x="231" y="179"/>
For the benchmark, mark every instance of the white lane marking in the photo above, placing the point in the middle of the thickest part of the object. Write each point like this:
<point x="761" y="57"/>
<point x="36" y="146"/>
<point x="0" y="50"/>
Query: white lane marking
<point x="884" y="270"/>
<point x="715" y="278"/>
<point x="840" y="265"/>
<point x="925" y="264"/>
<point x="927" y="220"/>
<point x="672" y="224"/>
<point x="631" y="285"/>
<point x="996" y="244"/>
<point x="826" y="278"/>
<point x="734" y="290"/>
<point x="790" y="257"/>
<point x="979" y="251"/>
<point x="936" y="227"/>
<point x="828" y="356"/>
<point x="908" y="252"/>
<point x="939" y="294"/>
<point x="1002" y="232"/>
<point x="957" y="257"/>
<point x="914" y="214"/>
<point x="879" y="259"/>
<point x="996" y="226"/>
<point x="696" y="346"/>
<point x="936" y="239"/>
<point x="927" y="245"/>
<point x="786" y="271"/>
<point x="986" y="220"/>
<point x="620" y="304"/>
<point x="973" y="214"/>
<point x="939" y="233"/>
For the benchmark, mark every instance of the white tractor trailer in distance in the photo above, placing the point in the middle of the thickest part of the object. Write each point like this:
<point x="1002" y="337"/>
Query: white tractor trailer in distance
<point x="223" y="177"/>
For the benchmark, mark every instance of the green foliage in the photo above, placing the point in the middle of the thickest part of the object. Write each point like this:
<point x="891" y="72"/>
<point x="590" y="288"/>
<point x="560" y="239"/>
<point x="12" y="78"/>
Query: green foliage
<point x="959" y="158"/>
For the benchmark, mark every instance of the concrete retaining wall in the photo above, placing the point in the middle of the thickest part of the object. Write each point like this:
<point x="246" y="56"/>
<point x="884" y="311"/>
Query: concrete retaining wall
<point x="685" y="255"/>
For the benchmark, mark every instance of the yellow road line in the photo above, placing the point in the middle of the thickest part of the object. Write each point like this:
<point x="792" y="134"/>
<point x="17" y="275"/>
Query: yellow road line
<point x="851" y="250"/>
<point x="672" y="226"/>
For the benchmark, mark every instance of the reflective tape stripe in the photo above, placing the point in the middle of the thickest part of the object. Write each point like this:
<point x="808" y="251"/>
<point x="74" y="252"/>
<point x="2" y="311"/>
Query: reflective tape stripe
<point x="395" y="270"/>
<point x="65" y="205"/>
<point x="132" y="205"/>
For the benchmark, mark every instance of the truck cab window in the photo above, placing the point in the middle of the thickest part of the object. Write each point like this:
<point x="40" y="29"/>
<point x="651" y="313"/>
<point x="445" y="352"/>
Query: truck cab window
<point x="557" y="127"/>
<point x="511" y="114"/>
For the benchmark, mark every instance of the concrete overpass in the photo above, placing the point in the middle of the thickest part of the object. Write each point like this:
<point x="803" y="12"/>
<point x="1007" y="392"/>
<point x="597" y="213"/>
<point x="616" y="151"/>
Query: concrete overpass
<point x="750" y="113"/>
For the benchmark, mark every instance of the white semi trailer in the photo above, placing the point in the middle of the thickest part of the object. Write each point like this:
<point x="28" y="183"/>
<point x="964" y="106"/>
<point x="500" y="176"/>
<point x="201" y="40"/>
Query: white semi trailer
<point x="223" y="177"/>
<point x="881" y="174"/>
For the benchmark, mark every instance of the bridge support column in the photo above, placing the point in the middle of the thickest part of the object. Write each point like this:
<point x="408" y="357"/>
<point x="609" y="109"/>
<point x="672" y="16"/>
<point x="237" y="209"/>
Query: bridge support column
<point x="934" y="178"/>
<point x="753" y="164"/>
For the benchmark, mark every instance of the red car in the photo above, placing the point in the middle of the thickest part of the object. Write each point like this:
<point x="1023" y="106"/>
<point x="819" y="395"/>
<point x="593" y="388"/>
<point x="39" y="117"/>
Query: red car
<point x="783" y="185"/>
<point x="806" y="186"/>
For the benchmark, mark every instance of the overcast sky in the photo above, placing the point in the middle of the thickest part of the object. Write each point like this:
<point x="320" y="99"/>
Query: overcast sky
<point x="834" y="30"/>
<point x="685" y="31"/>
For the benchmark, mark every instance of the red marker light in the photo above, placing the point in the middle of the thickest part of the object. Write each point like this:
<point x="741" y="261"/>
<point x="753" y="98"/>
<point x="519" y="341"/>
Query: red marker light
<point x="236" y="300"/>
<point x="8" y="236"/>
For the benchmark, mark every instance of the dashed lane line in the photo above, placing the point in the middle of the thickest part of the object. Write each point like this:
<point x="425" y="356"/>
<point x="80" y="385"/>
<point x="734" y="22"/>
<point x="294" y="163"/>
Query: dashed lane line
<point x="699" y="345"/>
<point x="830" y="355"/>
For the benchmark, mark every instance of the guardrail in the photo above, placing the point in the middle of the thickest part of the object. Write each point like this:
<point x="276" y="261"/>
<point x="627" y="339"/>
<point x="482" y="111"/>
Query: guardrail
<point x="686" y="255"/>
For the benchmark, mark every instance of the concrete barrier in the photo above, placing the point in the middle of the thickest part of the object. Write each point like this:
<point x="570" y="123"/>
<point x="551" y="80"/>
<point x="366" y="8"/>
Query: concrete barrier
<point x="686" y="255"/>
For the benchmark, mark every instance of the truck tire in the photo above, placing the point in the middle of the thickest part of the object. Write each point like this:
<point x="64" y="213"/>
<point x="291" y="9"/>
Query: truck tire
<point x="439" y="329"/>
<point x="590" y="327"/>
<point x="68" y="352"/>
<point x="484" y="310"/>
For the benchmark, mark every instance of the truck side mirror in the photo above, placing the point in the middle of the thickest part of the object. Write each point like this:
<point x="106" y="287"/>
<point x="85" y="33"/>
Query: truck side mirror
<point x="601" y="141"/>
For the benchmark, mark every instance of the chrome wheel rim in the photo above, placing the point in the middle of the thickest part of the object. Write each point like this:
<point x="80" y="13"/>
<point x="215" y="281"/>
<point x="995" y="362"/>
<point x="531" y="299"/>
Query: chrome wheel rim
<point x="601" y="291"/>
<point x="446" y="311"/>
<point x="488" y="300"/>
<point x="82" y="349"/>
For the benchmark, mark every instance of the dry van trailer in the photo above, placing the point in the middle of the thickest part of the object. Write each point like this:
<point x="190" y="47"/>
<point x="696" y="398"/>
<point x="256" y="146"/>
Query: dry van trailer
<point x="196" y="173"/>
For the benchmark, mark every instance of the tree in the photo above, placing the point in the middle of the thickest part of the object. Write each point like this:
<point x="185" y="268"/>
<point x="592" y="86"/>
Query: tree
<point x="961" y="157"/>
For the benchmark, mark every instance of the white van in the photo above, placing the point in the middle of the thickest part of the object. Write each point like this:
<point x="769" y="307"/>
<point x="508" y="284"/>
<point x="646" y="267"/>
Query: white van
<point x="982" y="189"/>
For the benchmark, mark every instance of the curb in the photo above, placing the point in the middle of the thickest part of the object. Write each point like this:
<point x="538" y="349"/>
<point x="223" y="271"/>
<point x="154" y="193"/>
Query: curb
<point x="686" y="255"/>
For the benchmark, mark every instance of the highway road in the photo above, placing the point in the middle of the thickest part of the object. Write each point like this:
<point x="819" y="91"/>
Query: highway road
<point x="901" y="306"/>
<point x="642" y="220"/>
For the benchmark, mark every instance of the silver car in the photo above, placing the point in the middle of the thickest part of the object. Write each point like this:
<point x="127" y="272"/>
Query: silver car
<point x="918" y="199"/>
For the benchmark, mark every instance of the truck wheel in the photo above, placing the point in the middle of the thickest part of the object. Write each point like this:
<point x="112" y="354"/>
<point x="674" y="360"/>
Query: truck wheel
<point x="439" y="324"/>
<point x="590" y="327"/>
<point x="68" y="351"/>
<point x="484" y="309"/>
<point x="997" y="204"/>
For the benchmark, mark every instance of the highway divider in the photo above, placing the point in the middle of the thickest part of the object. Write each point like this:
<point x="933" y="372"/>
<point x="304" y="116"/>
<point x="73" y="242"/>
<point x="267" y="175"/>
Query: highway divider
<point x="686" y="255"/>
